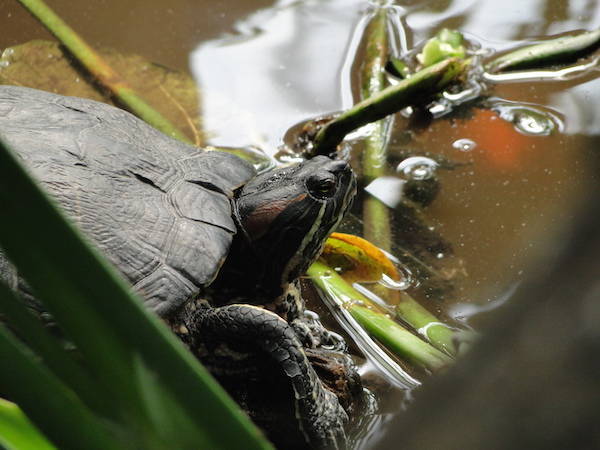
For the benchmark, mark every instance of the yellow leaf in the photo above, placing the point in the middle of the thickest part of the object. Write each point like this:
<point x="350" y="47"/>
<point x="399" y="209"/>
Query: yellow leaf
<point x="356" y="259"/>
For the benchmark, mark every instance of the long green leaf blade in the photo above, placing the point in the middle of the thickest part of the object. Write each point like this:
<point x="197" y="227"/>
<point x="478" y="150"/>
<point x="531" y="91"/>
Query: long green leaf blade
<point x="98" y="67"/>
<point x="89" y="299"/>
<point x="17" y="432"/>
<point x="49" y="350"/>
<point x="42" y="395"/>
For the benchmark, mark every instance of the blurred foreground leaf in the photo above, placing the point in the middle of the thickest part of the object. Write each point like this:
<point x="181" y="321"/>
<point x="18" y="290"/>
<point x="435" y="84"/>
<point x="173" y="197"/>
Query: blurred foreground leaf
<point x="160" y="396"/>
<point x="17" y="432"/>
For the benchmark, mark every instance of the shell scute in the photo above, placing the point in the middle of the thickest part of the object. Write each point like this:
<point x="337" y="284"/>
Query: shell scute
<point x="124" y="184"/>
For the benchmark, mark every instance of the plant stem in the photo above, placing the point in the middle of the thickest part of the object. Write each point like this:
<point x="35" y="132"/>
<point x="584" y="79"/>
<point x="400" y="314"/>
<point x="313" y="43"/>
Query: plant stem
<point x="399" y="340"/>
<point x="440" y="335"/>
<point x="376" y="219"/>
<point x="552" y="51"/>
<point x="432" y="79"/>
<point x="376" y="215"/>
<point x="98" y="67"/>
<point x="395" y="337"/>
<point x="419" y="86"/>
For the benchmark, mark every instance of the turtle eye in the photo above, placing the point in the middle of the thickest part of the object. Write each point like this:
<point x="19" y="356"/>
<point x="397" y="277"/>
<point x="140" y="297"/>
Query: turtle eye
<point x="322" y="185"/>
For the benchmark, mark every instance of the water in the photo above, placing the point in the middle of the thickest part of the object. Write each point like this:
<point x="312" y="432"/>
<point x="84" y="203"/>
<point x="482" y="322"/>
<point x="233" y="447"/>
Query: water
<point x="507" y="176"/>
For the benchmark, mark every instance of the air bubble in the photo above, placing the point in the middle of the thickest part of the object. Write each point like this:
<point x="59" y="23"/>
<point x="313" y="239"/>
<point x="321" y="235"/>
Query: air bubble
<point x="530" y="121"/>
<point x="406" y="279"/>
<point x="464" y="145"/>
<point x="532" y="124"/>
<point x="390" y="283"/>
<point x="417" y="168"/>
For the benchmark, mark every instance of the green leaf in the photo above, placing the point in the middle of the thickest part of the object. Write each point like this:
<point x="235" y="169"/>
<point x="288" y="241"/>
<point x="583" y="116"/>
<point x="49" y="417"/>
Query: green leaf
<point x="410" y="91"/>
<point x="109" y="325"/>
<point x="17" y="432"/>
<point x="398" y="68"/>
<point x="398" y="339"/>
<point x="446" y="44"/>
<point x="166" y="418"/>
<point x="48" y="402"/>
<point x="49" y="349"/>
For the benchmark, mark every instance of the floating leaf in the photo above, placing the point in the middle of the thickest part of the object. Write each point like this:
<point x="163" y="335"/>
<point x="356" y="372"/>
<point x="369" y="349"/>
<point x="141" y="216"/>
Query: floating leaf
<point x="357" y="259"/>
<point x="47" y="66"/>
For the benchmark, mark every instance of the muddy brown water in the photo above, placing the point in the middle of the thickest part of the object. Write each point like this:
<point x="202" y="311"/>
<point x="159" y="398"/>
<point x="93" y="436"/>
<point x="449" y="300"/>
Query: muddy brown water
<point x="264" y="66"/>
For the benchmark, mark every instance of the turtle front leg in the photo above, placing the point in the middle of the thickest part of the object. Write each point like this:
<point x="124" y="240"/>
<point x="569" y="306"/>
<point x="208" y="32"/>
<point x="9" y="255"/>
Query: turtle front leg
<point x="246" y="343"/>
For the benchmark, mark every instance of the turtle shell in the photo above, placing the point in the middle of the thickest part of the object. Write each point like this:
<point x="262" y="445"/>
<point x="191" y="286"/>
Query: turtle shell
<point x="158" y="209"/>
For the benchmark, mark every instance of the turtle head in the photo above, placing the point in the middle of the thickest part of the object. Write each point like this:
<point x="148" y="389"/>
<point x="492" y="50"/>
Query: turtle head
<point x="286" y="214"/>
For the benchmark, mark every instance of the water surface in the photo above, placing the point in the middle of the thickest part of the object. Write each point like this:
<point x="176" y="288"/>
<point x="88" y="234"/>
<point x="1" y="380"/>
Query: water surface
<point x="263" y="66"/>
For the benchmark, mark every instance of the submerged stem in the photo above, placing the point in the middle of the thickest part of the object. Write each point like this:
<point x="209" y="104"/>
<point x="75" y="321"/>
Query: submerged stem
<point x="376" y="217"/>
<point x="99" y="68"/>
<point x="440" y="335"/>
<point x="391" y="334"/>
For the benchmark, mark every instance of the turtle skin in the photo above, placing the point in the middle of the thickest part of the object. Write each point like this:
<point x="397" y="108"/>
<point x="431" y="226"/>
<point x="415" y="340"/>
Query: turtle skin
<point x="162" y="212"/>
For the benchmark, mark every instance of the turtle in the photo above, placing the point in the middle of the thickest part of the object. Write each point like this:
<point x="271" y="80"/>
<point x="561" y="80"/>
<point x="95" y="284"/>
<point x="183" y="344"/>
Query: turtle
<point x="213" y="247"/>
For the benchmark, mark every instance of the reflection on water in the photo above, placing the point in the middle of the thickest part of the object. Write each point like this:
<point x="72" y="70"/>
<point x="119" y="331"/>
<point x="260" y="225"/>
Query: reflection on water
<point x="499" y="26"/>
<point x="575" y="104"/>
<point x="387" y="190"/>
<point x="417" y="168"/>
<point x="464" y="144"/>
<point x="502" y="192"/>
<point x="567" y="73"/>
<point x="281" y="66"/>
